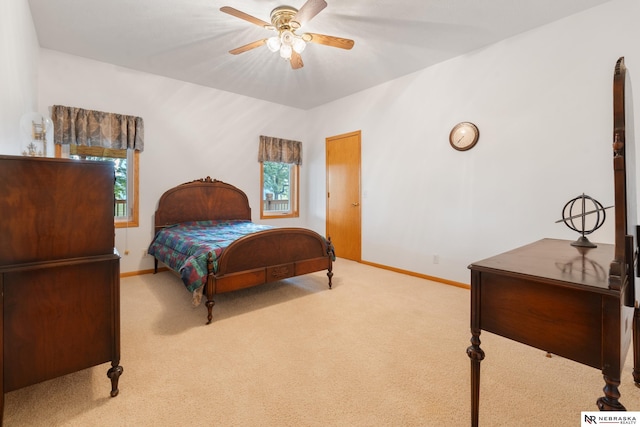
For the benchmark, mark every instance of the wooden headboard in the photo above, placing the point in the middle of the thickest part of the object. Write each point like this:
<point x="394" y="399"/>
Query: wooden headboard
<point x="201" y="200"/>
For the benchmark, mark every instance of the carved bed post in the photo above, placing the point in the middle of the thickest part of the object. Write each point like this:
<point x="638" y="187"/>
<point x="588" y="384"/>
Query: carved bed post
<point x="332" y="254"/>
<point x="210" y="288"/>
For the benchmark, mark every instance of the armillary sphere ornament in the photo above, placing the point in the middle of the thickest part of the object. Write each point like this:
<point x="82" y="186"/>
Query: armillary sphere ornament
<point x="576" y="208"/>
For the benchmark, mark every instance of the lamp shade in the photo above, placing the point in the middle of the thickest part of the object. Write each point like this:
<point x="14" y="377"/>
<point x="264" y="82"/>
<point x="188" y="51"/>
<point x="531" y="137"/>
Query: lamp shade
<point x="273" y="43"/>
<point x="285" y="51"/>
<point x="299" y="45"/>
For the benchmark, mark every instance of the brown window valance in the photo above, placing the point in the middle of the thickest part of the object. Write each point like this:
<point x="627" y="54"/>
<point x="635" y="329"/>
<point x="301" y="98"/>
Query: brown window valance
<point x="78" y="126"/>
<point x="279" y="150"/>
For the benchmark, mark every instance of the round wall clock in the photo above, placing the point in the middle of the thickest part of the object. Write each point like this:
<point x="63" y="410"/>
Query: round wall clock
<point x="464" y="136"/>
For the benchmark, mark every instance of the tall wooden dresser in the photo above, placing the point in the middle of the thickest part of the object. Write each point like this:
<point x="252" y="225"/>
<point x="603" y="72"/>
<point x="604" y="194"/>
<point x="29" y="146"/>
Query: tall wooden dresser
<point x="59" y="271"/>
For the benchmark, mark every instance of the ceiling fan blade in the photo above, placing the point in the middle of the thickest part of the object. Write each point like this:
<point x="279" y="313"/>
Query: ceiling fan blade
<point x="296" y="60"/>
<point x="247" y="47"/>
<point x="328" y="40"/>
<point x="308" y="10"/>
<point x="238" y="14"/>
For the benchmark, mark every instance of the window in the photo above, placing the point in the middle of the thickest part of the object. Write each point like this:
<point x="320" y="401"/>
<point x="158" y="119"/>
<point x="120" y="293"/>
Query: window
<point x="97" y="135"/>
<point x="126" y="167"/>
<point x="279" y="185"/>
<point x="280" y="161"/>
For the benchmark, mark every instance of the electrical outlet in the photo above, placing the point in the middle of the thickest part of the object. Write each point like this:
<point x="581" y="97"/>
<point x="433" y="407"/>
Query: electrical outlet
<point x="436" y="259"/>
<point x="144" y="253"/>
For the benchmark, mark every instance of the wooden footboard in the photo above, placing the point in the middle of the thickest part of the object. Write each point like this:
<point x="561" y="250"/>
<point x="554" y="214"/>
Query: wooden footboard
<point x="268" y="256"/>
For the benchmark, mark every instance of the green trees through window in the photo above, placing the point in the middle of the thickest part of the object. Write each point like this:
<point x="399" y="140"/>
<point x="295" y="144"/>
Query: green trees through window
<point x="279" y="190"/>
<point x="276" y="180"/>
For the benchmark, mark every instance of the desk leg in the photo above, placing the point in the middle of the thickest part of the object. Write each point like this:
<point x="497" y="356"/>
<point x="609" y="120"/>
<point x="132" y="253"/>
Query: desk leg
<point x="476" y="355"/>
<point x="474" y="351"/>
<point x="610" y="402"/>
<point x="636" y="347"/>
<point x="1" y="348"/>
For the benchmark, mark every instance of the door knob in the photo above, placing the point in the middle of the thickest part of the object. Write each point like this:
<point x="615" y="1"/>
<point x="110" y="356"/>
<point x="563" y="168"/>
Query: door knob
<point x="355" y="204"/>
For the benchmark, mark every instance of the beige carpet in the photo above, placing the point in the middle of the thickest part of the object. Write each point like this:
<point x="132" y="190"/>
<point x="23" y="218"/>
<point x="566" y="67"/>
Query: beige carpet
<point x="380" y="349"/>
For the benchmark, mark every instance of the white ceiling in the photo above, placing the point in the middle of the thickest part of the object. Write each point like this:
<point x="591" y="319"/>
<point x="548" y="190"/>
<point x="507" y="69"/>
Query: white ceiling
<point x="189" y="40"/>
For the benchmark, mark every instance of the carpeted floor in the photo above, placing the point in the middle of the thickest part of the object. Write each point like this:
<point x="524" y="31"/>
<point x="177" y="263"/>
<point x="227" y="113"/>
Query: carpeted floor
<point x="380" y="349"/>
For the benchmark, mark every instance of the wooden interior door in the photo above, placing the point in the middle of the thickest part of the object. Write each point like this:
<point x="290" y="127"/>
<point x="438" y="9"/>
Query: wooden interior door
<point x="343" y="195"/>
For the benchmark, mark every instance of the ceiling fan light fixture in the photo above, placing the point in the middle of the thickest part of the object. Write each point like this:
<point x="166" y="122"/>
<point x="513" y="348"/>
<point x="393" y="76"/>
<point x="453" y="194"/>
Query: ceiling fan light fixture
<point x="285" y="21"/>
<point x="287" y="37"/>
<point x="273" y="43"/>
<point x="299" y="45"/>
<point x="285" y="51"/>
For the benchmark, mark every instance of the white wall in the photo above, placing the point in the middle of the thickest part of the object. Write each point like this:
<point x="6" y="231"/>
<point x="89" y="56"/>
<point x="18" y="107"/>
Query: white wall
<point x="191" y="132"/>
<point x="543" y="103"/>
<point x="18" y="71"/>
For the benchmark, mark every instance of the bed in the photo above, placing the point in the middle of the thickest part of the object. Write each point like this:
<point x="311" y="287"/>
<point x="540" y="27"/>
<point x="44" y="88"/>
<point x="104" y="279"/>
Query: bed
<point x="204" y="233"/>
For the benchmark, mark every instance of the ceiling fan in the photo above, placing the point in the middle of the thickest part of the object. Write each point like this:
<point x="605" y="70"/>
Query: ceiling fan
<point x="285" y="21"/>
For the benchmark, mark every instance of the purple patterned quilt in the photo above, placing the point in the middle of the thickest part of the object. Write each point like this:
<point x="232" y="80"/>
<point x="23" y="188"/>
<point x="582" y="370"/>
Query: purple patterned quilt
<point x="184" y="247"/>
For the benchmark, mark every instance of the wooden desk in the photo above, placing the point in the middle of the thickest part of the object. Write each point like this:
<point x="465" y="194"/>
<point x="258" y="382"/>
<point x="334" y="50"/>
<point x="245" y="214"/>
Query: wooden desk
<point x="555" y="297"/>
